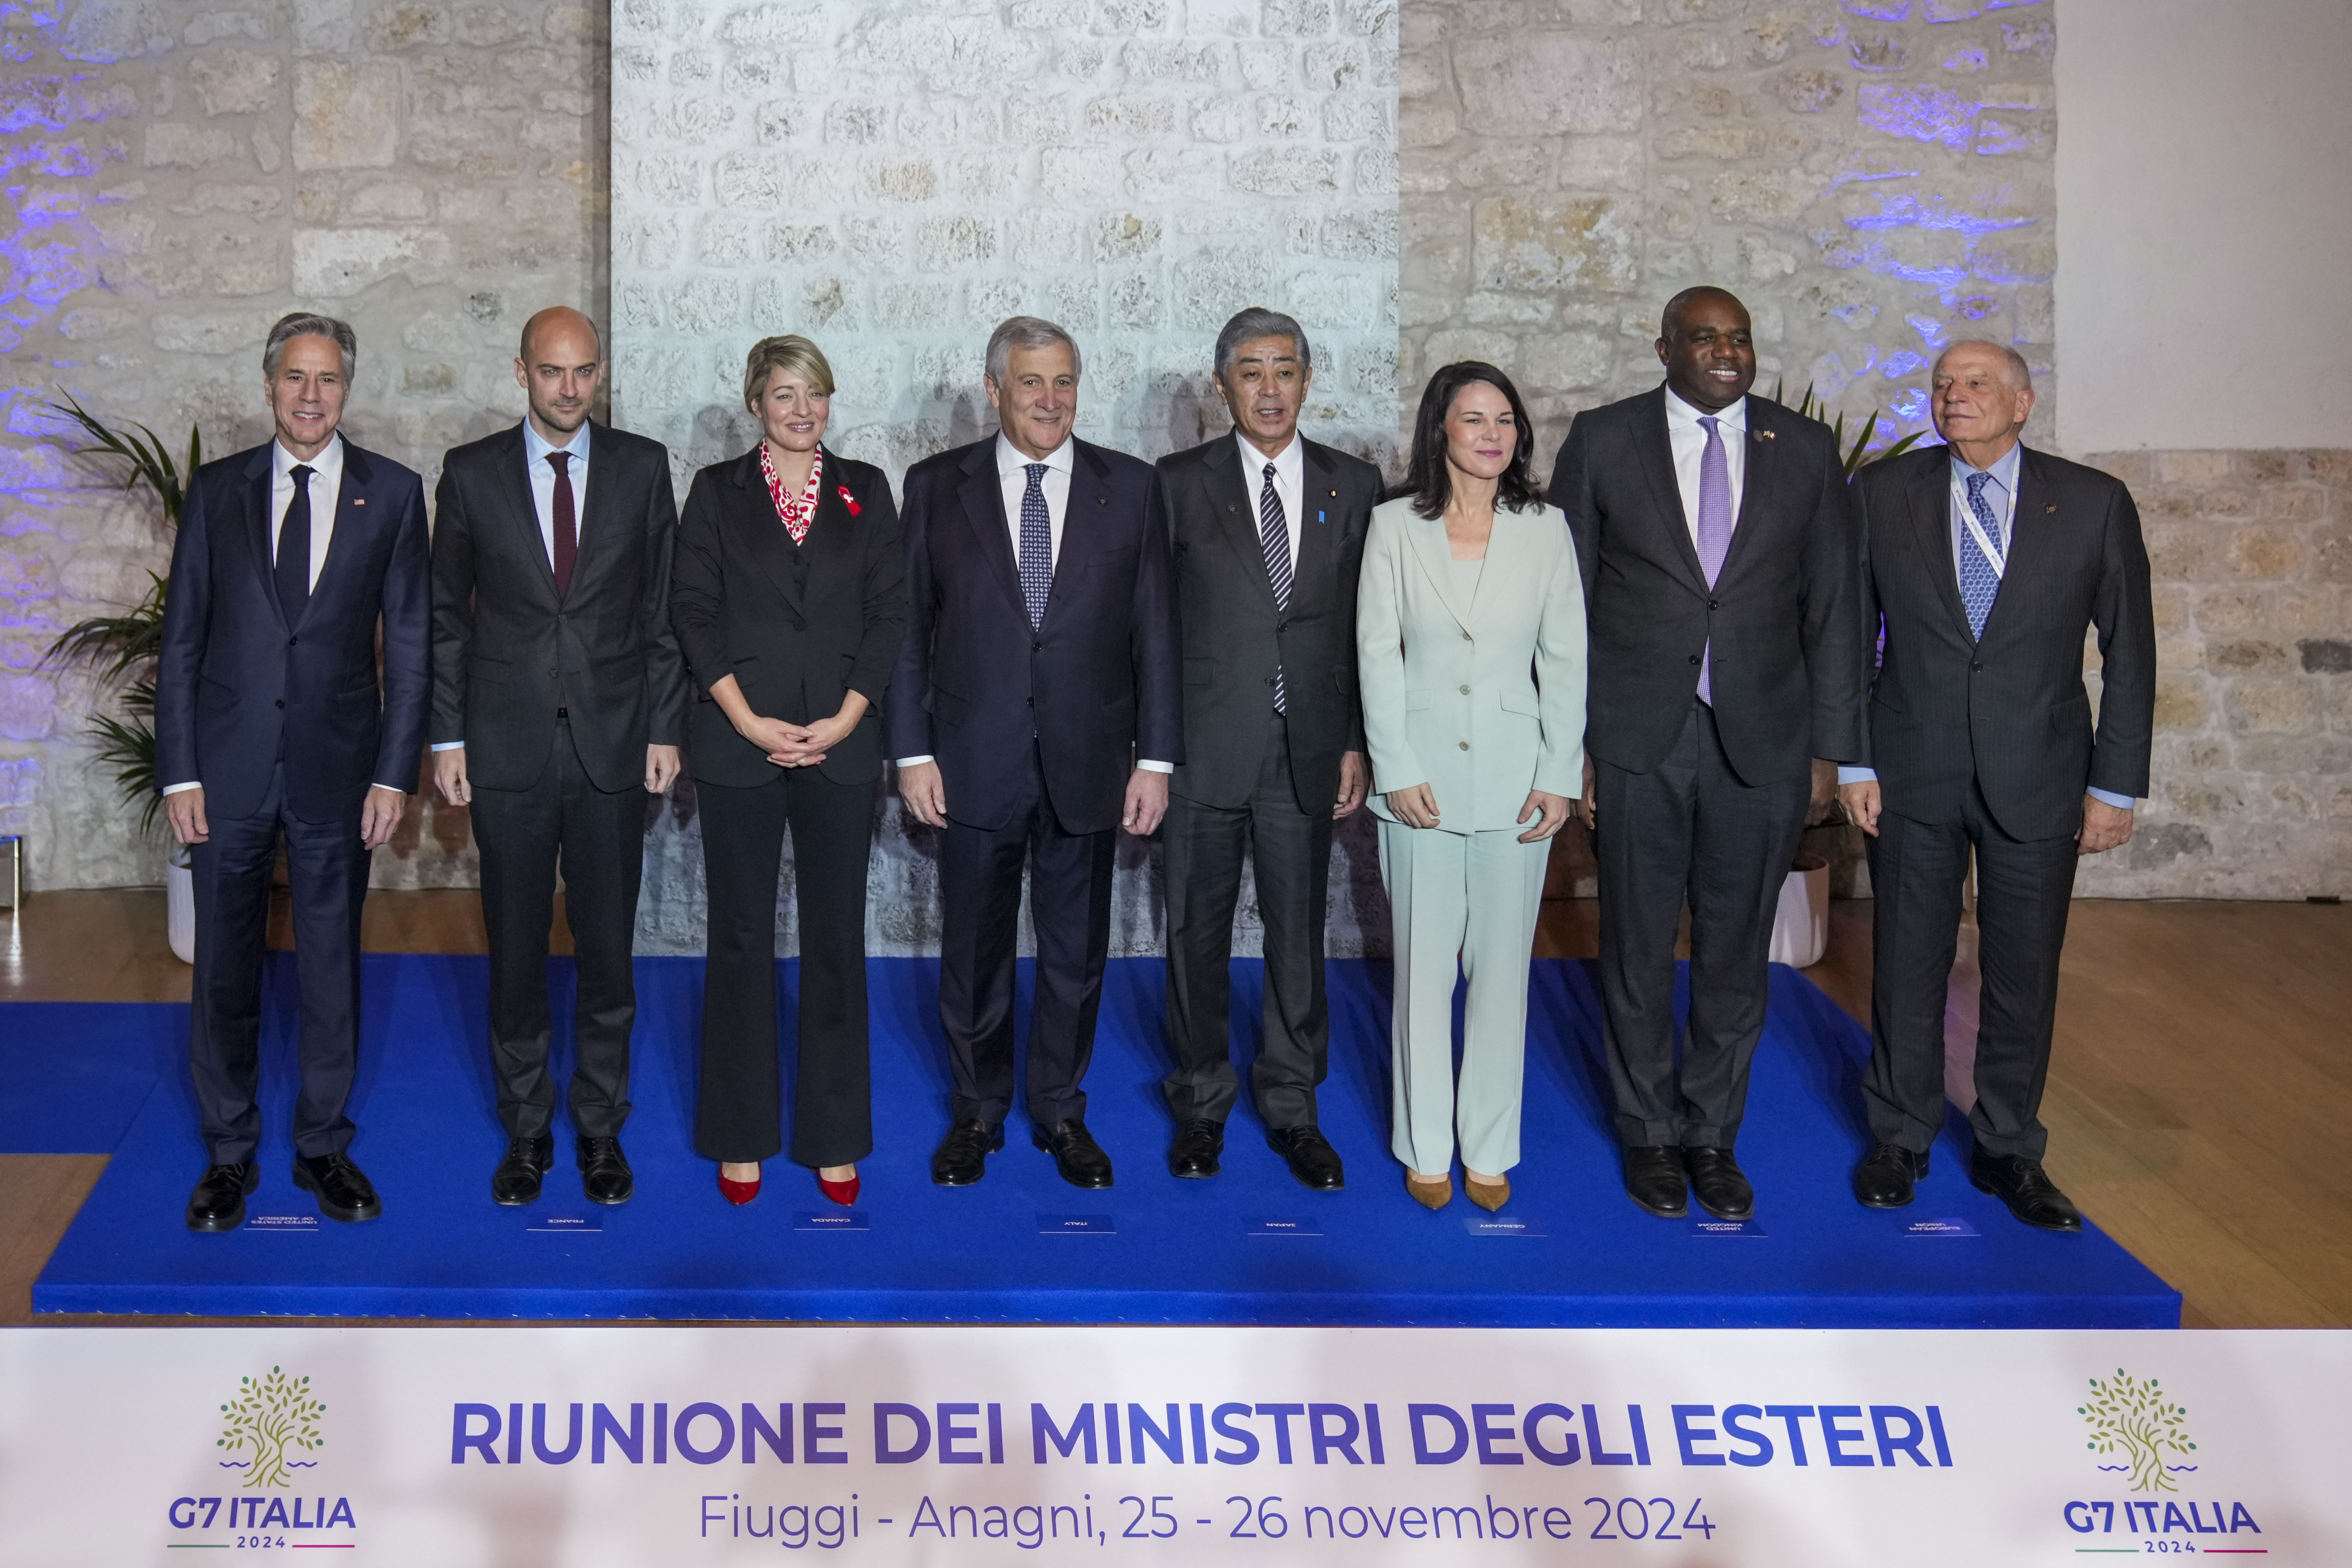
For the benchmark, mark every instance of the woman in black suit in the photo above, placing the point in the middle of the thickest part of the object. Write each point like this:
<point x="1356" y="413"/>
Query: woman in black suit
<point x="789" y="598"/>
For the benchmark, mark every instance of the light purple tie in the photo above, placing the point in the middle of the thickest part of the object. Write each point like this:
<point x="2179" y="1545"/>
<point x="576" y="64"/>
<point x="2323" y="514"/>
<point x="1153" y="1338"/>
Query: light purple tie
<point x="1714" y="532"/>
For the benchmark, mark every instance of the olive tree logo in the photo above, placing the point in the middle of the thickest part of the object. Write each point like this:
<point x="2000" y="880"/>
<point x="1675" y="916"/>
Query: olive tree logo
<point x="269" y="1417"/>
<point x="2130" y="1417"/>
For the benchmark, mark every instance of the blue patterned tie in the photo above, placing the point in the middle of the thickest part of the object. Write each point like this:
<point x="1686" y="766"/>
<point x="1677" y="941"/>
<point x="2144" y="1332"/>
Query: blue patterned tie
<point x="293" y="563"/>
<point x="1274" y="534"/>
<point x="1980" y="583"/>
<point x="1714" y="532"/>
<point x="1037" y="547"/>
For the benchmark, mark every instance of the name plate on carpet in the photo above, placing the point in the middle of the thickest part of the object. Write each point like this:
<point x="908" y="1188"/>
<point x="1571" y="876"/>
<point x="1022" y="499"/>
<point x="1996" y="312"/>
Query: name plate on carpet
<point x="1284" y="1227"/>
<point x="566" y="1224"/>
<point x="1501" y="1225"/>
<point x="1939" y="1227"/>
<point x="291" y="1224"/>
<point x="837" y="1219"/>
<point x="1077" y="1225"/>
<point x="1701" y="1226"/>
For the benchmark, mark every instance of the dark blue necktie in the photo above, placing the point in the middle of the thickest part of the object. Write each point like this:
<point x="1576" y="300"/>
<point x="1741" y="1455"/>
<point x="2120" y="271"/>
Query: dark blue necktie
<point x="1037" y="547"/>
<point x="293" y="567"/>
<point x="1979" y="583"/>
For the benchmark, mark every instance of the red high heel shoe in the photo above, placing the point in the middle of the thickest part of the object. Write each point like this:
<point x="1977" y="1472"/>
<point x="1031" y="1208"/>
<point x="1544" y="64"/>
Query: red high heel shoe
<point x="843" y="1192"/>
<point x="737" y="1193"/>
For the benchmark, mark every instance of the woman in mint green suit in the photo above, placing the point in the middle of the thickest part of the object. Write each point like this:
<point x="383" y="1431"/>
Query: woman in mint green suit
<point x="1470" y="648"/>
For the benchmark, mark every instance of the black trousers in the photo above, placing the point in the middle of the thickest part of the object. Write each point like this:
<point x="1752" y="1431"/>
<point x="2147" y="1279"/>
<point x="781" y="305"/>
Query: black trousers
<point x="598" y="838"/>
<point x="328" y="868"/>
<point x="1290" y="851"/>
<point x="1069" y="905"/>
<point x="737" y="1103"/>
<point x="1688" y="831"/>
<point x="2024" y="890"/>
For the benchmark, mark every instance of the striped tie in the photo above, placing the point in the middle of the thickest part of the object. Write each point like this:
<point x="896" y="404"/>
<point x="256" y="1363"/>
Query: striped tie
<point x="1037" y="547"/>
<point x="1274" y="533"/>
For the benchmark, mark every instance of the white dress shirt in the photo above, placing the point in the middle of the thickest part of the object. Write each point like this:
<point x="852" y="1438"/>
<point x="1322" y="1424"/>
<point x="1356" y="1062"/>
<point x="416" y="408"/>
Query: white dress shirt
<point x="1289" y="484"/>
<point x="542" y="498"/>
<point x="1687" y="440"/>
<point x="2000" y="494"/>
<point x="326" y="483"/>
<point x="1012" y="477"/>
<point x="542" y="480"/>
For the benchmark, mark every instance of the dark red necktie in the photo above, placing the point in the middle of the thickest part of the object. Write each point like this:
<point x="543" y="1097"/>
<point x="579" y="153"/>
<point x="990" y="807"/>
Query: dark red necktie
<point x="567" y="524"/>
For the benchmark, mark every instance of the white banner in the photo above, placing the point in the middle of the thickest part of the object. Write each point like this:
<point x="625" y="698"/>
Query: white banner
<point x="498" y="1447"/>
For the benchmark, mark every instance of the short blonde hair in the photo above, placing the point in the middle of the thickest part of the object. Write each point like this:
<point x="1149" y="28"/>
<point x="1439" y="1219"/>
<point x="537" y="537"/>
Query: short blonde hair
<point x="793" y="352"/>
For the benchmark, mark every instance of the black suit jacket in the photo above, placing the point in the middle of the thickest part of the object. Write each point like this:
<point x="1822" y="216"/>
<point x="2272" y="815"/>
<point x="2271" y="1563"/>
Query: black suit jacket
<point x="508" y="651"/>
<point x="1234" y="638"/>
<point x="1784" y="615"/>
<point x="798" y="626"/>
<point x="1093" y="688"/>
<point x="236" y="688"/>
<point x="2010" y="712"/>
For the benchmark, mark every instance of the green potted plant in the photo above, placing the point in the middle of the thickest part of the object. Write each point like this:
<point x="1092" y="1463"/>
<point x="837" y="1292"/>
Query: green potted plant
<point x="122" y="649"/>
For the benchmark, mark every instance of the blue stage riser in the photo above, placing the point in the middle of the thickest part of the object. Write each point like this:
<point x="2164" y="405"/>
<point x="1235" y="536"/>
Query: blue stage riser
<point x="1188" y="1252"/>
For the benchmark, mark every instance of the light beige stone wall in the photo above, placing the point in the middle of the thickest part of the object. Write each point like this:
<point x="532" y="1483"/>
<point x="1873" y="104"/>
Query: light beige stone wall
<point x="181" y="176"/>
<point x="2251" y="557"/>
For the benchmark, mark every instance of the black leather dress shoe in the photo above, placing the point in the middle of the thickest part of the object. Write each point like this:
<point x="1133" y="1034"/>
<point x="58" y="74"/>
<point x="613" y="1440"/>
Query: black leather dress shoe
<point x="341" y="1188"/>
<point x="1075" y="1154"/>
<point x="1657" y="1180"/>
<point x="2027" y="1189"/>
<point x="1888" y="1176"/>
<point x="1718" y="1183"/>
<point x="605" y="1174"/>
<point x="218" y="1202"/>
<point x="1312" y="1159"/>
<point x="961" y="1157"/>
<point x="1195" y="1153"/>
<point x="516" y="1181"/>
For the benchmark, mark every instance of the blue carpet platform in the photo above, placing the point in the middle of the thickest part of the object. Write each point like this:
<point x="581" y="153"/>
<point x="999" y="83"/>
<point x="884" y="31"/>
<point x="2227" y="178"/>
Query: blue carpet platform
<point x="1250" y="1246"/>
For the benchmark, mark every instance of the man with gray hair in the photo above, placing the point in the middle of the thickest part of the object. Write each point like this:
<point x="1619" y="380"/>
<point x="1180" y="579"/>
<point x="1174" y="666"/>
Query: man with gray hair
<point x="1033" y="715"/>
<point x="1990" y="562"/>
<point x="1267" y="533"/>
<point x="269" y="718"/>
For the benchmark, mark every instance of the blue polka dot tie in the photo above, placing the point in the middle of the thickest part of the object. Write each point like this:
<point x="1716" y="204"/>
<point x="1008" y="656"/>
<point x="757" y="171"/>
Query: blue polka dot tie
<point x="1979" y="583"/>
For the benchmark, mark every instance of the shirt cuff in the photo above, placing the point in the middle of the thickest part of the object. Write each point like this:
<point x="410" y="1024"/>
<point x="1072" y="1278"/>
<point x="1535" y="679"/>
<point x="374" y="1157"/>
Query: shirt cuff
<point x="910" y="762"/>
<point x="449" y="745"/>
<point x="2120" y="802"/>
<point x="1157" y="767"/>
<point x="1847" y="775"/>
<point x="174" y="789"/>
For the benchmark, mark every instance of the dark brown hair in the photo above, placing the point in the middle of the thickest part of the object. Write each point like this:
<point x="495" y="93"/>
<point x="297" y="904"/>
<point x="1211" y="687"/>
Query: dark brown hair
<point x="1426" y="477"/>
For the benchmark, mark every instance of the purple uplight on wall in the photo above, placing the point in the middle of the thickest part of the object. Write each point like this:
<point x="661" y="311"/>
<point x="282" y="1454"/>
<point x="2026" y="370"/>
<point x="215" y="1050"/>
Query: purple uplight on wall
<point x="1923" y="113"/>
<point x="1912" y="406"/>
<point x="1901" y="209"/>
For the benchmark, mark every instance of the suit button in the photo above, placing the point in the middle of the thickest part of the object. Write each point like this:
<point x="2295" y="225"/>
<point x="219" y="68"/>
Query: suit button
<point x="1466" y="691"/>
<point x="291" y="641"/>
<point x="1977" y="665"/>
<point x="281" y="702"/>
<point x="1715" y="604"/>
<point x="1693" y="659"/>
<point x="1465" y="745"/>
<point x="1465" y="636"/>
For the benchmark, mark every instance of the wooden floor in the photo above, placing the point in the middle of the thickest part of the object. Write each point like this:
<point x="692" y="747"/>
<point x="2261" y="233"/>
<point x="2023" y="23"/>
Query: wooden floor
<point x="2199" y="1103"/>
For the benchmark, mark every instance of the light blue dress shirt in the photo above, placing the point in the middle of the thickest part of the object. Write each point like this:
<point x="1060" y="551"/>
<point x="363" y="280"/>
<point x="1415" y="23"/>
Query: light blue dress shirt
<point x="2000" y="494"/>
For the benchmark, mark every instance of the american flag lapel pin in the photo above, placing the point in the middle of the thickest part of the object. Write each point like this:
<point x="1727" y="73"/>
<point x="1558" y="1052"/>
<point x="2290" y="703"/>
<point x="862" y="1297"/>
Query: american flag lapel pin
<point x="1764" y="436"/>
<point x="358" y="500"/>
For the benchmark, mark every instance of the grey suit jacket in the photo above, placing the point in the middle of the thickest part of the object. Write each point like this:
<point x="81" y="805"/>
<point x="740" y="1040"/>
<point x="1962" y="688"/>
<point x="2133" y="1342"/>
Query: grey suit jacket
<point x="1483" y="702"/>
<point x="1235" y="635"/>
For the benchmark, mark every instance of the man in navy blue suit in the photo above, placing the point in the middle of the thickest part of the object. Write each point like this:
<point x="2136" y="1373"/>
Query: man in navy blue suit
<point x="1034" y="714"/>
<point x="268" y="718"/>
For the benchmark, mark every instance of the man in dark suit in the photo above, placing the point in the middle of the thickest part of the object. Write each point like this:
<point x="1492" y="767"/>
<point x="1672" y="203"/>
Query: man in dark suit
<point x="1716" y="537"/>
<point x="268" y="718"/>
<point x="1989" y="561"/>
<point x="558" y="700"/>
<point x="1267" y="530"/>
<point x="1034" y="714"/>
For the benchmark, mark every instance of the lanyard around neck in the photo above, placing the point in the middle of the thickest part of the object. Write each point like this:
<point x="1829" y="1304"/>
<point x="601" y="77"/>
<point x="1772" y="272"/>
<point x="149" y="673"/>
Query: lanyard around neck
<point x="1996" y="556"/>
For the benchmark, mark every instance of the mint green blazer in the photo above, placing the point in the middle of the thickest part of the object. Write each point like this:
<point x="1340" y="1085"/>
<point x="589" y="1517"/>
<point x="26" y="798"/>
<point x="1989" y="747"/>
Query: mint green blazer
<point x="1482" y="701"/>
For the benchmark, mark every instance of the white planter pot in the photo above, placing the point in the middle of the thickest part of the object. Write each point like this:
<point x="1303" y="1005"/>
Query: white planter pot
<point x="1801" y="929"/>
<point x="180" y="905"/>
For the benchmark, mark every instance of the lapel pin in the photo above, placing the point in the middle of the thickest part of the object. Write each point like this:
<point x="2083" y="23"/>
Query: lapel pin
<point x="1102" y="500"/>
<point x="1335" y="495"/>
<point x="362" y="501"/>
<point x="2051" y="507"/>
<point x="1321" y="516"/>
<point x="1764" y="436"/>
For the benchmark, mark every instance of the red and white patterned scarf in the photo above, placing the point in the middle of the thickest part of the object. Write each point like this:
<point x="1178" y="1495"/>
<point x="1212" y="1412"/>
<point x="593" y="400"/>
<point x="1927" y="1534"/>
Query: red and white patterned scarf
<point x="797" y="512"/>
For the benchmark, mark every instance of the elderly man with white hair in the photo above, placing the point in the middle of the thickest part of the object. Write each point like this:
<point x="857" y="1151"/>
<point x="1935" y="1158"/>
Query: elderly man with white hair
<point x="1989" y="561"/>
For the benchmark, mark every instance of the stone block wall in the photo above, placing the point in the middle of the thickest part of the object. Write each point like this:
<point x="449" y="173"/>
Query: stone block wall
<point x="2251" y="557"/>
<point x="180" y="175"/>
<point x="893" y="177"/>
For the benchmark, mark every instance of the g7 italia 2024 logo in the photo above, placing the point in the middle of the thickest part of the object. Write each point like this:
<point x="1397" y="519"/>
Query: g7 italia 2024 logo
<point x="2140" y="1434"/>
<point x="265" y="1428"/>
